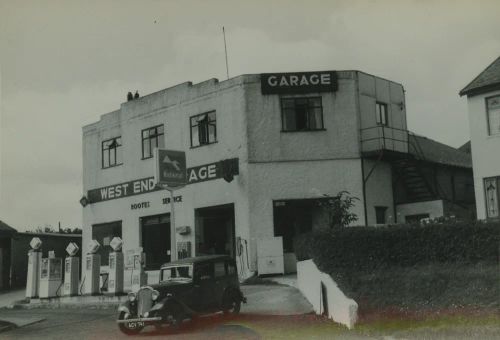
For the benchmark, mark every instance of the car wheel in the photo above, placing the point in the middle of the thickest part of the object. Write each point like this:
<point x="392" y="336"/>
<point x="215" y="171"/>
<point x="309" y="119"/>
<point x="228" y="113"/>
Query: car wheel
<point x="126" y="328"/>
<point x="232" y="304"/>
<point x="174" y="315"/>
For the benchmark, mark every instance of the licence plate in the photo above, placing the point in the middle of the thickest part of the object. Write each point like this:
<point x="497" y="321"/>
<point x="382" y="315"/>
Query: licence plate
<point x="135" y="324"/>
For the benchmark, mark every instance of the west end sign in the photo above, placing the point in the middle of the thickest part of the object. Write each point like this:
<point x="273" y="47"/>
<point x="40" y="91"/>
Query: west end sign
<point x="195" y="174"/>
<point x="298" y="82"/>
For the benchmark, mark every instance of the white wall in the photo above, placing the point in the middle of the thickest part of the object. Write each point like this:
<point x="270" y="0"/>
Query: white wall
<point x="433" y="208"/>
<point x="298" y="180"/>
<point x="485" y="148"/>
<point x="378" y="190"/>
<point x="340" y="308"/>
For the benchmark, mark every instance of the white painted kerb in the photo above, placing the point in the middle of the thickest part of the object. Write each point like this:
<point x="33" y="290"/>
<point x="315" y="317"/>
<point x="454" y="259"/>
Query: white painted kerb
<point x="340" y="308"/>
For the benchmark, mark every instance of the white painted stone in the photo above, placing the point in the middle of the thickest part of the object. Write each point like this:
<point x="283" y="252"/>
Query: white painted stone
<point x="341" y="309"/>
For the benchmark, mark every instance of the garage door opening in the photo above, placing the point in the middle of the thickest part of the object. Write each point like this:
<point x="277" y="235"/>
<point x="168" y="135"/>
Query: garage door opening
<point x="155" y="236"/>
<point x="215" y="230"/>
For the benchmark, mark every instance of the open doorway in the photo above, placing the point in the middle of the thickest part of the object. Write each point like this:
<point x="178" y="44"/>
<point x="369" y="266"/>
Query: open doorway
<point x="215" y="230"/>
<point x="292" y="218"/>
<point x="155" y="240"/>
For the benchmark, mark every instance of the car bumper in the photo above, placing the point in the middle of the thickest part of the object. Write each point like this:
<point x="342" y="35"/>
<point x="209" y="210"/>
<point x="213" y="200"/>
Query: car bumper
<point x="151" y="319"/>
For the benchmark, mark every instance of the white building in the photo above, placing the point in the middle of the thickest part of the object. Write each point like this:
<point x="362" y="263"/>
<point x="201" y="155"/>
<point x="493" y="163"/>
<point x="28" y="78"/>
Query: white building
<point x="261" y="151"/>
<point x="483" y="100"/>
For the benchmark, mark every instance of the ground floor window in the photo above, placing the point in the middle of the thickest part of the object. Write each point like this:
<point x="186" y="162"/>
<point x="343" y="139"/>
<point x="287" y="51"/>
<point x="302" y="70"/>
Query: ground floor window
<point x="155" y="237"/>
<point x="292" y="218"/>
<point x="491" y="196"/>
<point x="104" y="233"/>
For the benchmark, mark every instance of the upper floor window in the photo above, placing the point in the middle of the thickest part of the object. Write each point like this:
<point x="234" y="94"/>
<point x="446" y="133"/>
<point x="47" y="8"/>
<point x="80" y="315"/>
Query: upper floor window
<point x="493" y="112"/>
<point x="152" y="138"/>
<point x="382" y="115"/>
<point x="301" y="114"/>
<point x="203" y="129"/>
<point x="112" y="152"/>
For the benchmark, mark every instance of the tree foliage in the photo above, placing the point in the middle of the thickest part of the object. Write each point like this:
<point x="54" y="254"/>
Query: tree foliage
<point x="338" y="208"/>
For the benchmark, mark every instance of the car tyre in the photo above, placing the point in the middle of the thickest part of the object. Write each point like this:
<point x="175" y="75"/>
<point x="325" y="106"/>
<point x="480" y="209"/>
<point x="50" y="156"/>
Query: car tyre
<point x="124" y="329"/>
<point x="174" y="314"/>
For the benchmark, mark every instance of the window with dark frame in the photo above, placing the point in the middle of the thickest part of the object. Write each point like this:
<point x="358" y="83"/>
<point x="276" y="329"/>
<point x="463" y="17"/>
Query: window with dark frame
<point x="203" y="129"/>
<point x="111" y="152"/>
<point x="491" y="196"/>
<point x="301" y="114"/>
<point x="382" y="115"/>
<point x="493" y="115"/>
<point x="152" y="138"/>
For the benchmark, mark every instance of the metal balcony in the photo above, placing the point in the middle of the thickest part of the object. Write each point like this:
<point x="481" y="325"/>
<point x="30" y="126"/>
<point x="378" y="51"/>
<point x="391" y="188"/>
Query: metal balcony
<point x="380" y="138"/>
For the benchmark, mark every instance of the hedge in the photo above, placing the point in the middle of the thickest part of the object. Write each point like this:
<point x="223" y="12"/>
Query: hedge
<point x="367" y="248"/>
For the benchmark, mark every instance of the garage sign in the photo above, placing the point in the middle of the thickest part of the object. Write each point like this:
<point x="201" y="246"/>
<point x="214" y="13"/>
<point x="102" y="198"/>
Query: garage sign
<point x="202" y="173"/>
<point x="298" y="82"/>
<point x="170" y="167"/>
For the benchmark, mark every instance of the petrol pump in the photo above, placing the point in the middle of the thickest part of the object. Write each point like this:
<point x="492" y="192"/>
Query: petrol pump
<point x="92" y="270"/>
<point x="71" y="270"/>
<point x="139" y="277"/>
<point x="50" y="276"/>
<point x="115" y="278"/>
<point x="34" y="260"/>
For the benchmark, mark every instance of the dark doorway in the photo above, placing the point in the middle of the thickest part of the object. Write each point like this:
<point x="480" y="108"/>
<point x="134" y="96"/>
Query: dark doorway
<point x="291" y="218"/>
<point x="155" y="233"/>
<point x="215" y="230"/>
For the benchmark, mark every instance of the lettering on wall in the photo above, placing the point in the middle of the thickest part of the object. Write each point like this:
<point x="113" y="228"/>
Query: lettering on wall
<point x="177" y="199"/>
<point x="195" y="174"/>
<point x="298" y="82"/>
<point x="140" y="205"/>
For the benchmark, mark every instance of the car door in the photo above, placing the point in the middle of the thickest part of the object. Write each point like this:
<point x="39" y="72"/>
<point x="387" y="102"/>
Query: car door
<point x="203" y="291"/>
<point x="220" y="279"/>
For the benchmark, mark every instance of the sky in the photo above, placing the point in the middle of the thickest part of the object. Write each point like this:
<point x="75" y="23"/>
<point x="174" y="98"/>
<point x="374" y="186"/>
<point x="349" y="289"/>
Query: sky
<point x="64" y="63"/>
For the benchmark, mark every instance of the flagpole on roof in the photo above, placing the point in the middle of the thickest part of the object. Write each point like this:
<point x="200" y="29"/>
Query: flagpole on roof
<point x="225" y="50"/>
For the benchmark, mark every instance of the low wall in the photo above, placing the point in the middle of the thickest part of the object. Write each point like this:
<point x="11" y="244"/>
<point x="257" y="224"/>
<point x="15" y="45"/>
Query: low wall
<point x="339" y="307"/>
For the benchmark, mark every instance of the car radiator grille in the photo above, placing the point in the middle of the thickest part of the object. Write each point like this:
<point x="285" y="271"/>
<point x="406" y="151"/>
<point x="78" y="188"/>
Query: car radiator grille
<point x="144" y="301"/>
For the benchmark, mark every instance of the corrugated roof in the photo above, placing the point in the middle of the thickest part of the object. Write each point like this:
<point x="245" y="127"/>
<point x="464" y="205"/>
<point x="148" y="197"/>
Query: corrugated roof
<point x="5" y="228"/>
<point x="486" y="81"/>
<point x="432" y="151"/>
<point x="466" y="148"/>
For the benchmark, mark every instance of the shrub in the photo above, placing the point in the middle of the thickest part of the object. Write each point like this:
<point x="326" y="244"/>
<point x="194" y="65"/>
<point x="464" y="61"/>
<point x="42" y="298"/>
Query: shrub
<point x="367" y="248"/>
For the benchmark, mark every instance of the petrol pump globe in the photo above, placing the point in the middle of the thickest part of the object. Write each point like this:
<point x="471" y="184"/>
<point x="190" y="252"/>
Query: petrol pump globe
<point x="116" y="243"/>
<point x="93" y="247"/>
<point x="72" y="249"/>
<point x="35" y="243"/>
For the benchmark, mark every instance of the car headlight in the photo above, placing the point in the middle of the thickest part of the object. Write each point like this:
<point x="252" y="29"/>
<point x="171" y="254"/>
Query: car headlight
<point x="131" y="296"/>
<point x="155" y="295"/>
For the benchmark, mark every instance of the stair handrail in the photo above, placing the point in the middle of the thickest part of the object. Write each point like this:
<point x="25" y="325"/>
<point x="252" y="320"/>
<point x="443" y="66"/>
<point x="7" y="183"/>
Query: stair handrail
<point x="420" y="154"/>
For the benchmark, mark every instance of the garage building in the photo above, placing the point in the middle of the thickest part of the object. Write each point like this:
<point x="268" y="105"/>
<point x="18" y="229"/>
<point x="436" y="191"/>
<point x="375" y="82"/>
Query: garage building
<point x="261" y="151"/>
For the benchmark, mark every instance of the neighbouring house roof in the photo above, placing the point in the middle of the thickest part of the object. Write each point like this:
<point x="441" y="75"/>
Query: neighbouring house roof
<point x="6" y="229"/>
<point x="432" y="151"/>
<point x="466" y="148"/>
<point x="486" y="81"/>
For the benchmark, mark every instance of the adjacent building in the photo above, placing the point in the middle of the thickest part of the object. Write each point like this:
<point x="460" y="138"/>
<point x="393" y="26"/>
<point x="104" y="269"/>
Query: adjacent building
<point x="483" y="100"/>
<point x="262" y="150"/>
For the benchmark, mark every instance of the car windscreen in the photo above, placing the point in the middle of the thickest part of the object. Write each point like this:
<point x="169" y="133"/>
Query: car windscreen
<point x="177" y="273"/>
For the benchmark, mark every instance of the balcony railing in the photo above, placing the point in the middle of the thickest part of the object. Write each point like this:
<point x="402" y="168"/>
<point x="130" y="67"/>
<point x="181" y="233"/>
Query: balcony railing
<point x="380" y="137"/>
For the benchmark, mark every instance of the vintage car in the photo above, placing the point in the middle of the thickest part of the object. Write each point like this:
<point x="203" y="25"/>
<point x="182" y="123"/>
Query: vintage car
<point x="187" y="288"/>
